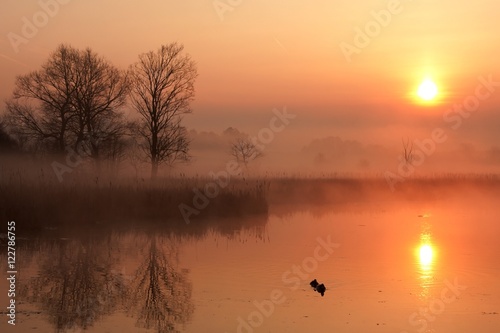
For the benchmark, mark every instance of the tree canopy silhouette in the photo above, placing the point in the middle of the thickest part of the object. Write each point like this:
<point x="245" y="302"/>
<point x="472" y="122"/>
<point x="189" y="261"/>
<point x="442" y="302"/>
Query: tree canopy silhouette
<point x="244" y="150"/>
<point x="162" y="89"/>
<point x="73" y="100"/>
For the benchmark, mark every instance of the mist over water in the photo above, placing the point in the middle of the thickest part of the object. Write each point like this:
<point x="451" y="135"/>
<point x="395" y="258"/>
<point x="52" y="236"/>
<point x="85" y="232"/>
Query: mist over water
<point x="383" y="256"/>
<point x="249" y="166"/>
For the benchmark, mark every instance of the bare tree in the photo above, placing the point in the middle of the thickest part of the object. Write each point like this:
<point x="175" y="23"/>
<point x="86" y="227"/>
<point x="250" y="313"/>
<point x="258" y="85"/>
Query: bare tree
<point x="162" y="89"/>
<point x="408" y="151"/>
<point x="40" y="110"/>
<point x="100" y="90"/>
<point x="73" y="98"/>
<point x="244" y="151"/>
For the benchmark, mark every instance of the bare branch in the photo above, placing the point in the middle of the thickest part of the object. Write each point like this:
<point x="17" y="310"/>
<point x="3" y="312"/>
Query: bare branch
<point x="73" y="98"/>
<point x="162" y="89"/>
<point x="244" y="151"/>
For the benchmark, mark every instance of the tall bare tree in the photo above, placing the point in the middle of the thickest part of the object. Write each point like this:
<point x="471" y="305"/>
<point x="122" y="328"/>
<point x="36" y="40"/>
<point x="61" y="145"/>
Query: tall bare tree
<point x="40" y="110"/>
<point x="75" y="97"/>
<point x="100" y="90"/>
<point x="162" y="89"/>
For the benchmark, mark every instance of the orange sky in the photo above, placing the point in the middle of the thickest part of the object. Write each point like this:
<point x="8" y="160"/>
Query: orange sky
<point x="266" y="54"/>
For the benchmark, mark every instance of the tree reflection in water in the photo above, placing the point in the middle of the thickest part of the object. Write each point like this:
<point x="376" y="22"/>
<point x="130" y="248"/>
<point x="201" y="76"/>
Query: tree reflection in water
<point x="75" y="285"/>
<point x="160" y="293"/>
<point x="78" y="283"/>
<point x="82" y="281"/>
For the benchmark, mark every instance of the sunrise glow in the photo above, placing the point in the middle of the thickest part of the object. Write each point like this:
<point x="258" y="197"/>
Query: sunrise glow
<point x="427" y="90"/>
<point x="246" y="166"/>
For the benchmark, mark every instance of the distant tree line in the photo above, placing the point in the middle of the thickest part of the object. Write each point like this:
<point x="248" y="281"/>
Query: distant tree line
<point x="76" y="101"/>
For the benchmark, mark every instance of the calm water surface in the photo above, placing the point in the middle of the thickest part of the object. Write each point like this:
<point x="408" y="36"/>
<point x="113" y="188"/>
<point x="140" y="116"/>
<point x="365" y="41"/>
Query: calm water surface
<point x="387" y="267"/>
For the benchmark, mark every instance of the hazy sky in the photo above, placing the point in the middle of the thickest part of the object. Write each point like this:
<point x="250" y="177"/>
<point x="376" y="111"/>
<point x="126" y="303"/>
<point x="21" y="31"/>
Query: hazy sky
<point x="257" y="55"/>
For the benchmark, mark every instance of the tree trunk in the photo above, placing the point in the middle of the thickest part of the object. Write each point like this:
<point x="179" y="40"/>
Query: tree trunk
<point x="154" y="169"/>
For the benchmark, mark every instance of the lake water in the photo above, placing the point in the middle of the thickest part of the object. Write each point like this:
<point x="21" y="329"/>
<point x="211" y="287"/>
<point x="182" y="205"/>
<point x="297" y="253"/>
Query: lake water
<point x="387" y="266"/>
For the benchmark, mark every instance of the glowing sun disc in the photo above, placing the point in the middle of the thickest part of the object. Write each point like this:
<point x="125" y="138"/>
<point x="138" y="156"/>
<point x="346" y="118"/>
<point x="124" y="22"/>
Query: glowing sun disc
<point x="427" y="90"/>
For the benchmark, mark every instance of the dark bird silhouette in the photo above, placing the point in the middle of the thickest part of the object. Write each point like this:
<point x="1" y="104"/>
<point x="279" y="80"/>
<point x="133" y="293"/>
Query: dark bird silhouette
<point x="321" y="289"/>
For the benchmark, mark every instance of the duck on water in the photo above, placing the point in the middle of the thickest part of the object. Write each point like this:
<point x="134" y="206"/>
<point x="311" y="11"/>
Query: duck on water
<point x="320" y="288"/>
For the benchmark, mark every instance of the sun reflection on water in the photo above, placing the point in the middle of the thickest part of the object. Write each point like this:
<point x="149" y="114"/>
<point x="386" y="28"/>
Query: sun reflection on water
<point x="426" y="254"/>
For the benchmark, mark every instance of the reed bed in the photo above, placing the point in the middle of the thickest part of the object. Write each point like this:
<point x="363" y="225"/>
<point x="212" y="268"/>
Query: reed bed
<point x="35" y="198"/>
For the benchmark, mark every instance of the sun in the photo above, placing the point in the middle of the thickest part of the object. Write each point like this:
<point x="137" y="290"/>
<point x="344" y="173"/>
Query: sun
<point x="427" y="90"/>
